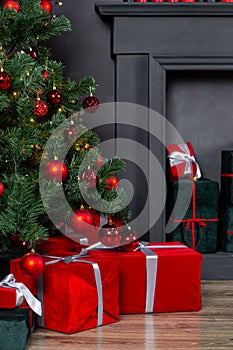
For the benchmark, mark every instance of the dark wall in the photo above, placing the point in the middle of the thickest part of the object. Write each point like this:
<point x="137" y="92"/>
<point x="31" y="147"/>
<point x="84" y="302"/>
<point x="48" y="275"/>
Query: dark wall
<point x="86" y="50"/>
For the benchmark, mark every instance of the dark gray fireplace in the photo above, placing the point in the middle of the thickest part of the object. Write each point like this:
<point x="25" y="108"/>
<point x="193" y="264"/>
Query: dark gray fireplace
<point x="178" y="60"/>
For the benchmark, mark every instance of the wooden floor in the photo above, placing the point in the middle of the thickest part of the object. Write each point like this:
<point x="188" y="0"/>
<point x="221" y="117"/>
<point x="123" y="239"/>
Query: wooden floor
<point x="211" y="328"/>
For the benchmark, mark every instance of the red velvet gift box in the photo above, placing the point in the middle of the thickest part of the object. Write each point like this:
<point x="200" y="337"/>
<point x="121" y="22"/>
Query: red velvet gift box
<point x="182" y="162"/>
<point x="57" y="242"/>
<point x="69" y="293"/>
<point x="177" y="286"/>
<point x="8" y="298"/>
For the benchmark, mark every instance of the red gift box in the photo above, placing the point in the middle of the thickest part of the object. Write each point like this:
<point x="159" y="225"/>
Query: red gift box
<point x="177" y="286"/>
<point x="182" y="163"/>
<point x="14" y="294"/>
<point x="8" y="298"/>
<point x="69" y="293"/>
<point x="59" y="242"/>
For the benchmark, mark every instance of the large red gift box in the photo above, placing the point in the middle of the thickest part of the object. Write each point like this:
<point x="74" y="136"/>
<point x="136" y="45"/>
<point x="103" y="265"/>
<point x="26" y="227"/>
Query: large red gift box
<point x="68" y="292"/>
<point x="177" y="286"/>
<point x="182" y="162"/>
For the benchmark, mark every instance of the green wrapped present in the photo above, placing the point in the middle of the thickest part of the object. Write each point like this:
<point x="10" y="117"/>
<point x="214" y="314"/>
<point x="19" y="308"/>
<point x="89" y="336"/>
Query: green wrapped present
<point x="13" y="333"/>
<point x="192" y="212"/>
<point x="227" y="229"/>
<point x="226" y="196"/>
<point x="16" y="325"/>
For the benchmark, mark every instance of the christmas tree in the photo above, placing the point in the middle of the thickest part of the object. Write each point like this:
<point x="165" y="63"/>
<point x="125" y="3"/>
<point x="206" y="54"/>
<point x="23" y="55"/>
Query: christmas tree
<point x="35" y="98"/>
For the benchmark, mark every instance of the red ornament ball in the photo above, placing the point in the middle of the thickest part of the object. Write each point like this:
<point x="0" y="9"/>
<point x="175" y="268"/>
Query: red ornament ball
<point x="1" y="188"/>
<point x="45" y="74"/>
<point x="32" y="54"/>
<point x="11" y="4"/>
<point x="129" y="240"/>
<point x="46" y="5"/>
<point x="41" y="108"/>
<point x="110" y="235"/>
<point x="55" y="170"/>
<point x="91" y="104"/>
<point x="111" y="182"/>
<point x="71" y="132"/>
<point x="5" y="81"/>
<point x="32" y="264"/>
<point x="90" y="176"/>
<point x="54" y="97"/>
<point x="80" y="221"/>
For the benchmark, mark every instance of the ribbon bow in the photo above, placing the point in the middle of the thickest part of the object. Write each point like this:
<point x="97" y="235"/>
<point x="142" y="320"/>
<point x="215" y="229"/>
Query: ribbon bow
<point x="22" y="292"/>
<point x="200" y="222"/>
<point x="177" y="157"/>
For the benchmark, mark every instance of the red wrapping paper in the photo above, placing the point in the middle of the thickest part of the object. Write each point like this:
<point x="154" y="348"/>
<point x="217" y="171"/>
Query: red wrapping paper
<point x="178" y="171"/>
<point x="59" y="242"/>
<point x="178" y="285"/>
<point x="7" y="298"/>
<point x="70" y="295"/>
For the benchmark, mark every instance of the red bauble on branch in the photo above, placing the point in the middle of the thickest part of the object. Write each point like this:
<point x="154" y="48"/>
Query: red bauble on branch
<point x="11" y="4"/>
<point x="32" y="264"/>
<point x="129" y="240"/>
<point x="45" y="74"/>
<point x="90" y="176"/>
<point x="41" y="108"/>
<point x="54" y="96"/>
<point x="80" y="220"/>
<point x="71" y="132"/>
<point x="5" y="81"/>
<point x="46" y="5"/>
<point x="1" y="188"/>
<point x="55" y="170"/>
<point x="110" y="235"/>
<point x="32" y="54"/>
<point x="112" y="182"/>
<point x="91" y="104"/>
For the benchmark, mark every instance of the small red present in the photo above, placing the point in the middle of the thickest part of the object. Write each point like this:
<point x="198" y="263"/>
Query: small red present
<point x="8" y="298"/>
<point x="14" y="294"/>
<point x="165" y="280"/>
<point x="76" y="294"/>
<point x="182" y="162"/>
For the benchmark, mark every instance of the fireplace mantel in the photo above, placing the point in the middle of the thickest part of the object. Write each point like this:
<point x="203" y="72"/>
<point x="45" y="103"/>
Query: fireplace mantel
<point x="151" y="41"/>
<point x="113" y="9"/>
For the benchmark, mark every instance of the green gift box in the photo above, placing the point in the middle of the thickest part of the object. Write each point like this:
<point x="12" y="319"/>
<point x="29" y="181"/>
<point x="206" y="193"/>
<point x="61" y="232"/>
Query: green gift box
<point x="16" y="325"/>
<point x="227" y="229"/>
<point x="226" y="178"/>
<point x="192" y="212"/>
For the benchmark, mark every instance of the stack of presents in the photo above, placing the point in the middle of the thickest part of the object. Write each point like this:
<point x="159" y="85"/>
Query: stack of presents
<point x="83" y="287"/>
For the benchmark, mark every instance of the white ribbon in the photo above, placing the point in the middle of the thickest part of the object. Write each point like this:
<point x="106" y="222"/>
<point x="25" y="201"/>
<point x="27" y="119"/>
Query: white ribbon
<point x="177" y="157"/>
<point x="97" y="274"/>
<point x="22" y="292"/>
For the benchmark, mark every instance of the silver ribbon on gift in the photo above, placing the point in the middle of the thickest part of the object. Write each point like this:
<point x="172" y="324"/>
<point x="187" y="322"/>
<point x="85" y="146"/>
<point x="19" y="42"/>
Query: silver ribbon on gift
<point x="22" y="292"/>
<point x="74" y="259"/>
<point x="177" y="157"/>
<point x="151" y="270"/>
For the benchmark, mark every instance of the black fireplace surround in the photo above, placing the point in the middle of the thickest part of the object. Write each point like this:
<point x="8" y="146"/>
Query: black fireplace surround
<point x="156" y="43"/>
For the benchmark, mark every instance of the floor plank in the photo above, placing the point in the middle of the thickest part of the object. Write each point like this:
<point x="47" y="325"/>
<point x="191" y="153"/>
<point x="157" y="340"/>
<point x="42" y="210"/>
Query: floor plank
<point x="211" y="328"/>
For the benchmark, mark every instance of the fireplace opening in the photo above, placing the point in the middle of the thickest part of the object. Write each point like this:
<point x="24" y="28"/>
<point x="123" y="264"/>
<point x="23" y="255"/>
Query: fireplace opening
<point x="200" y="105"/>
